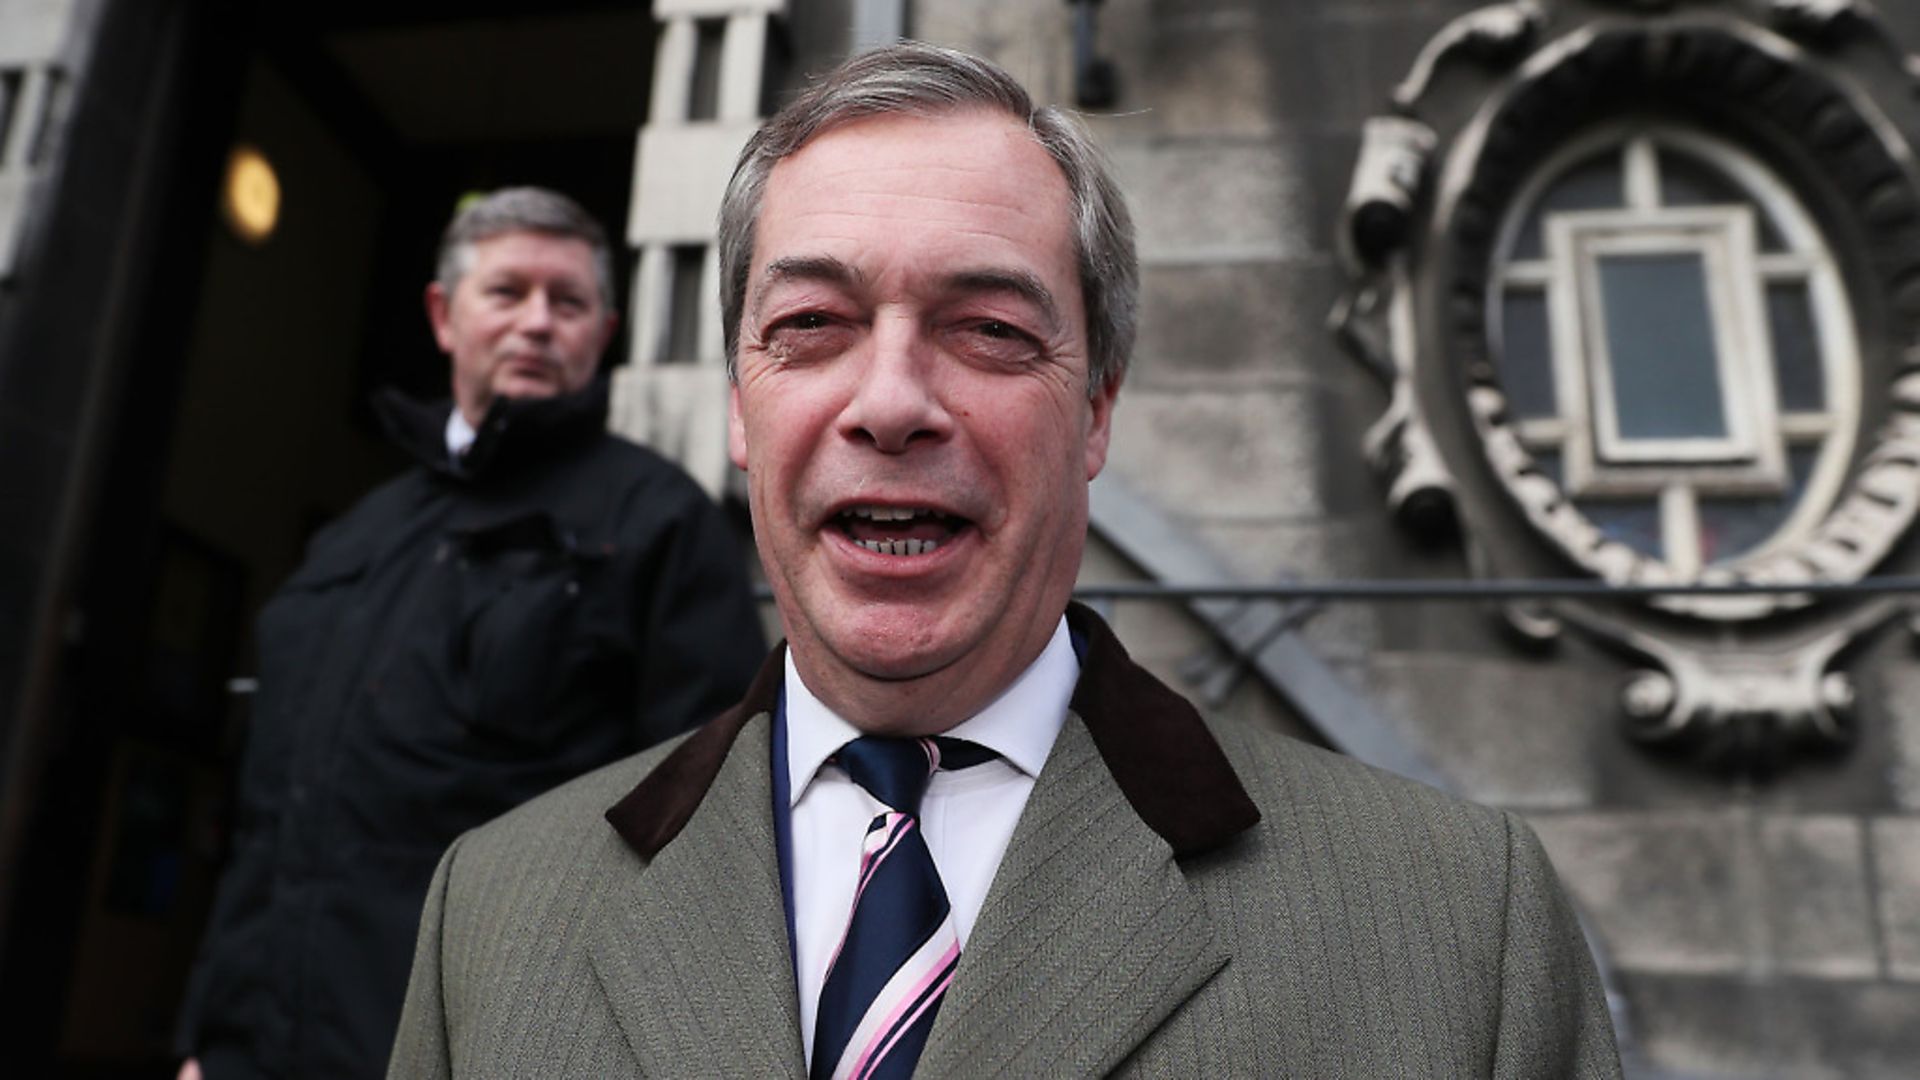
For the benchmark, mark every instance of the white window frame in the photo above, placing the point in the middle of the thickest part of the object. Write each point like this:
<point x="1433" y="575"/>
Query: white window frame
<point x="1600" y="460"/>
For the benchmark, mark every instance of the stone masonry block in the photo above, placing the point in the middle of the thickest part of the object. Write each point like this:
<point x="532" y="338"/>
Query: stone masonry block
<point x="1899" y="684"/>
<point x="1820" y="914"/>
<point x="1034" y="42"/>
<point x="679" y="177"/>
<point x="1217" y="200"/>
<point x="1536" y="749"/>
<point x="1312" y="550"/>
<point x="1254" y="320"/>
<point x="1361" y="56"/>
<point x="1791" y="1029"/>
<point x="1896" y="863"/>
<point x="1222" y="456"/>
<point x="1194" y="70"/>
<point x="1663" y="889"/>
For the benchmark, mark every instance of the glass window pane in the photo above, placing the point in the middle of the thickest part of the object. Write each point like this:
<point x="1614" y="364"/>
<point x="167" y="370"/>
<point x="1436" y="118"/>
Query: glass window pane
<point x="1635" y="524"/>
<point x="1796" y="348"/>
<point x="1730" y="527"/>
<point x="1593" y="184"/>
<point x="1525" y="359"/>
<point x="1660" y="345"/>
<point x="1687" y="181"/>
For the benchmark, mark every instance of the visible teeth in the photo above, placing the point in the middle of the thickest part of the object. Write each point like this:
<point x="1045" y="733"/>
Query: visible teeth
<point x="887" y="513"/>
<point x="899" y="547"/>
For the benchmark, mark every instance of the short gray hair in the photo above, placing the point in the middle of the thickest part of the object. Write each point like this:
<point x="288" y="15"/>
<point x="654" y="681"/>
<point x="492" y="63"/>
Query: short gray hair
<point x="520" y="209"/>
<point x="918" y="79"/>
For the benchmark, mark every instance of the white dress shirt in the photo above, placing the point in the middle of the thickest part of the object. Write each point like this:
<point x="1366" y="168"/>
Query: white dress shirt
<point x="967" y="815"/>
<point x="460" y="435"/>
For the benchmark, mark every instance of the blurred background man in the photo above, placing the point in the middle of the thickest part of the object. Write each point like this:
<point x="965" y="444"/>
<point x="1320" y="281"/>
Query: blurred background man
<point x="535" y="597"/>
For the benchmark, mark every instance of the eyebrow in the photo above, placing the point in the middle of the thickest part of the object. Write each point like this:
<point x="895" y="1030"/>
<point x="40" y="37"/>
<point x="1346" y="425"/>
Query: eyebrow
<point x="820" y="268"/>
<point x="829" y="270"/>
<point x="1020" y="283"/>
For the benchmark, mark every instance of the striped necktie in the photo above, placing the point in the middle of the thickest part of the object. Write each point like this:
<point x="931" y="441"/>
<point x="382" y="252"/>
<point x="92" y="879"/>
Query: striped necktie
<point x="885" y="981"/>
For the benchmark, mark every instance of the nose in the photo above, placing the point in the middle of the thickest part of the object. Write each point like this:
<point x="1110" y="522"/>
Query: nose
<point x="896" y="405"/>
<point x="536" y="314"/>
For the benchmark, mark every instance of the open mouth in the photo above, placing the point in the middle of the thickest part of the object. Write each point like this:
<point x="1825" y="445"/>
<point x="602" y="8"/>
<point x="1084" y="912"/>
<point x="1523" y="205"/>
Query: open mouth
<point x="899" y="530"/>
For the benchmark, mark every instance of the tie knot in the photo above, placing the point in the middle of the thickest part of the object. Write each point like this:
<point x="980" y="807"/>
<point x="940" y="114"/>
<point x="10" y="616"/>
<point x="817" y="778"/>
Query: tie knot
<point x="896" y="771"/>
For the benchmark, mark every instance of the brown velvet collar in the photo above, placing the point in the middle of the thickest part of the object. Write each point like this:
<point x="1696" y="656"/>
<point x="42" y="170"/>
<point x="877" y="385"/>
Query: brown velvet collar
<point x="1160" y="753"/>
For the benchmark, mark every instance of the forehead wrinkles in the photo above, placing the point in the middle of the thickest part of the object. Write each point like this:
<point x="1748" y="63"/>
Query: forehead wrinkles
<point x="809" y="209"/>
<point x="900" y="156"/>
<point x="922" y="188"/>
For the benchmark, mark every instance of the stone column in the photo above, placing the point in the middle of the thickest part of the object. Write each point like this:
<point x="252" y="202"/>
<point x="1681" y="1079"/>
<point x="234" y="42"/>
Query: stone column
<point x="709" y="72"/>
<point x="33" y="78"/>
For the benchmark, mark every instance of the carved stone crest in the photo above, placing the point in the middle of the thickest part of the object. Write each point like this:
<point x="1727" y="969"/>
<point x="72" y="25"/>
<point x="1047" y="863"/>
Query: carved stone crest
<point x="1644" y="289"/>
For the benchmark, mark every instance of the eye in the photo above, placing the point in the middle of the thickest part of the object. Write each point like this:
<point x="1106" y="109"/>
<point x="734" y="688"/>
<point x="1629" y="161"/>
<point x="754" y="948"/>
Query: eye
<point x="994" y="344"/>
<point x="802" y="326"/>
<point x="806" y="320"/>
<point x="1002" y="330"/>
<point x="808" y="337"/>
<point x="999" y="336"/>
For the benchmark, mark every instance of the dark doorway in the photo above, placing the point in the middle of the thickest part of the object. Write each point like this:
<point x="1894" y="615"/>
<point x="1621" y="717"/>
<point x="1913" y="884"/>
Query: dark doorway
<point x="243" y="428"/>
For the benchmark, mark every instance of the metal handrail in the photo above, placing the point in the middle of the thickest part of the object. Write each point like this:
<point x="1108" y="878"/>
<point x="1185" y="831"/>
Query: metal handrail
<point x="1390" y="590"/>
<point x="1508" y="589"/>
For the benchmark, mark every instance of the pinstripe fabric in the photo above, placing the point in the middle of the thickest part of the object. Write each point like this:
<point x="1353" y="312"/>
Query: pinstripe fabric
<point x="548" y="948"/>
<point x="1365" y="927"/>
<point x="1088" y="914"/>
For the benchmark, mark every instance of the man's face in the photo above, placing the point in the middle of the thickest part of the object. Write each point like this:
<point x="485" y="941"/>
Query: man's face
<point x="912" y="410"/>
<point x="526" y="320"/>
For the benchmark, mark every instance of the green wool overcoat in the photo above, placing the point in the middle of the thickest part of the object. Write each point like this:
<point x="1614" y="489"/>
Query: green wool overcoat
<point x="1180" y="898"/>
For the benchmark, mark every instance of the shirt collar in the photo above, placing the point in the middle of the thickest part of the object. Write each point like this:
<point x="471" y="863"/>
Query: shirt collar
<point x="1020" y="725"/>
<point x="460" y="434"/>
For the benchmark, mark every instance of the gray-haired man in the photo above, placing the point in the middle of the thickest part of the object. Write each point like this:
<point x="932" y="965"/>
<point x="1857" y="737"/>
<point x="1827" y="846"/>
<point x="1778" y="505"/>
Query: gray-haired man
<point x="953" y="828"/>
<point x="535" y="598"/>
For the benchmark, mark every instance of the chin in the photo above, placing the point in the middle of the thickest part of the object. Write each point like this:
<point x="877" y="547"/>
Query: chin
<point x="895" y="650"/>
<point x="523" y="387"/>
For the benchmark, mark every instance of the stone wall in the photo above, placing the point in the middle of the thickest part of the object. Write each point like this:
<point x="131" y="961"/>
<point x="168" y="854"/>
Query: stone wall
<point x="1756" y="927"/>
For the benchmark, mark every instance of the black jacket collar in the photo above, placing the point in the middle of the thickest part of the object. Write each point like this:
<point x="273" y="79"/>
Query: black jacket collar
<point x="1166" y="762"/>
<point x="514" y="430"/>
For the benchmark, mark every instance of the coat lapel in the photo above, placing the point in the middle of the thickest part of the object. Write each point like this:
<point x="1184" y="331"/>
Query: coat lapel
<point x="1089" y="938"/>
<point x="692" y="951"/>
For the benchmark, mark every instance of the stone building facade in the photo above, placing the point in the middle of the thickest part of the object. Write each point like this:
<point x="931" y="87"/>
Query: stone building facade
<point x="1327" y="389"/>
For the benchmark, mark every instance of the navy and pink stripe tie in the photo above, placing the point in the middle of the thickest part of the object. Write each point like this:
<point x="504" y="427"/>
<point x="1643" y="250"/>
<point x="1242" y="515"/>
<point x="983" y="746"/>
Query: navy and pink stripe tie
<point x="885" y="982"/>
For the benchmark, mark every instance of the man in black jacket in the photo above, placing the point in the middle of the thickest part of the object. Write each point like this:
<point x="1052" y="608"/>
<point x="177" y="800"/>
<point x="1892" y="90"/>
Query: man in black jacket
<point x="535" y="598"/>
